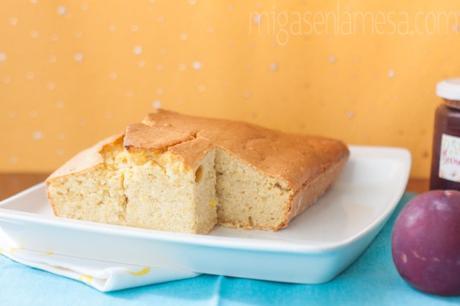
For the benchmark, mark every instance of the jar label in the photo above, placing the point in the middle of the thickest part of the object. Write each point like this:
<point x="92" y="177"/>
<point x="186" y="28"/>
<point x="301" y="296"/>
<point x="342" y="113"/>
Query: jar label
<point x="449" y="160"/>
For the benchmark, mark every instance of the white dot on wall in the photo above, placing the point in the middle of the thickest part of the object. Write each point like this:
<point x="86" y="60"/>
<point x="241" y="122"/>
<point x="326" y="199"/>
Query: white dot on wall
<point x="78" y="34"/>
<point x="61" y="136"/>
<point x="159" y="67"/>
<point x="134" y="28"/>
<point x="137" y="50"/>
<point x="113" y="75"/>
<point x="160" y="19"/>
<point x="51" y="86"/>
<point x="391" y="73"/>
<point x="456" y="28"/>
<point x="332" y="59"/>
<point x="112" y="28"/>
<point x="6" y="80"/>
<point x="183" y="36"/>
<point x="33" y="114"/>
<point x="37" y="135"/>
<point x="52" y="59"/>
<point x="30" y="75"/>
<point x="78" y="57"/>
<point x="156" y="104"/>
<point x="141" y="64"/>
<point x="13" y="21"/>
<point x="84" y="7"/>
<point x="61" y="10"/>
<point x="13" y="160"/>
<point x="201" y="88"/>
<point x="247" y="94"/>
<point x="60" y="152"/>
<point x="192" y="2"/>
<point x="108" y="115"/>
<point x="256" y="18"/>
<point x="274" y="67"/>
<point x="210" y="29"/>
<point x="159" y="91"/>
<point x="12" y="114"/>
<point x="34" y="1"/>
<point x="2" y="56"/>
<point x="196" y="65"/>
<point x="54" y="37"/>
<point x="350" y="114"/>
<point x="60" y="104"/>
<point x="129" y="94"/>
<point x="182" y="67"/>
<point x="34" y="34"/>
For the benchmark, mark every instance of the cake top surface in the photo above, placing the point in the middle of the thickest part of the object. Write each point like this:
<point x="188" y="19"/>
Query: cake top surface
<point x="295" y="158"/>
<point x="292" y="157"/>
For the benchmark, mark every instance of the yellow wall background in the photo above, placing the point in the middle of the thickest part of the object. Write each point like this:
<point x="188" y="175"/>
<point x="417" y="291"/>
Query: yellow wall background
<point x="72" y="72"/>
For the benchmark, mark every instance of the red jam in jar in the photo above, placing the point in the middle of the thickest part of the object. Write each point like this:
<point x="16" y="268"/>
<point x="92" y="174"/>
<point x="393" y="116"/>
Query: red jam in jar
<point x="445" y="164"/>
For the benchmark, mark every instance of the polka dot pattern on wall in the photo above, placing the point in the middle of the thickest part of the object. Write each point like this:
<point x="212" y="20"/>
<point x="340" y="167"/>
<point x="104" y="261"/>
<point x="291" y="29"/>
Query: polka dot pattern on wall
<point x="391" y="73"/>
<point x="61" y="10"/>
<point x="156" y="104"/>
<point x="51" y="86"/>
<point x="137" y="50"/>
<point x="78" y="57"/>
<point x="13" y="21"/>
<point x="183" y="36"/>
<point x="196" y="65"/>
<point x="256" y="19"/>
<point x="274" y="67"/>
<point x="332" y="59"/>
<point x="37" y="135"/>
<point x="6" y="80"/>
<point x="34" y="34"/>
<point x="84" y="70"/>
<point x="60" y="104"/>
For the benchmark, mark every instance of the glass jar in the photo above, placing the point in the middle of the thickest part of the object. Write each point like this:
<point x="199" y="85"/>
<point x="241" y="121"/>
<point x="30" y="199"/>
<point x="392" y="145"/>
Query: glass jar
<point x="445" y="164"/>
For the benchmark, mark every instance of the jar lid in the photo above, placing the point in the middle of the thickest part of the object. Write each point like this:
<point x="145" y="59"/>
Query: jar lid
<point x="449" y="89"/>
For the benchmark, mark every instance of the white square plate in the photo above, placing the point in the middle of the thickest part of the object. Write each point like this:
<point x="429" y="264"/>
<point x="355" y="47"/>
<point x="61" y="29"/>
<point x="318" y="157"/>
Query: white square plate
<point x="316" y="246"/>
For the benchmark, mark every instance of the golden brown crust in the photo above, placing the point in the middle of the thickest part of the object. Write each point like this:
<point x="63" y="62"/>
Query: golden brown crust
<point x="192" y="151"/>
<point x="294" y="158"/>
<point x="139" y="135"/>
<point x="311" y="191"/>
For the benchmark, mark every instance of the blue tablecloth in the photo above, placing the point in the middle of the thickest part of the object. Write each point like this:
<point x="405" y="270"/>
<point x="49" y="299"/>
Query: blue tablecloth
<point x="371" y="280"/>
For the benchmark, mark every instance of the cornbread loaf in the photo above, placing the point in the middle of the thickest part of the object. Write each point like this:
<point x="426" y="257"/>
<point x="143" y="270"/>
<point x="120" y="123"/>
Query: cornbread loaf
<point x="183" y="173"/>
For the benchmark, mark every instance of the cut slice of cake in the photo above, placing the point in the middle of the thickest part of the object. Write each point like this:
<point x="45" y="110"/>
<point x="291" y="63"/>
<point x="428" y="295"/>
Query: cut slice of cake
<point x="156" y="187"/>
<point x="183" y="173"/>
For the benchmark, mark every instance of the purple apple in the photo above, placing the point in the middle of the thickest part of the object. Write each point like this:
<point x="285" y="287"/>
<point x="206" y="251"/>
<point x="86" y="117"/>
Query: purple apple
<point x="426" y="242"/>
